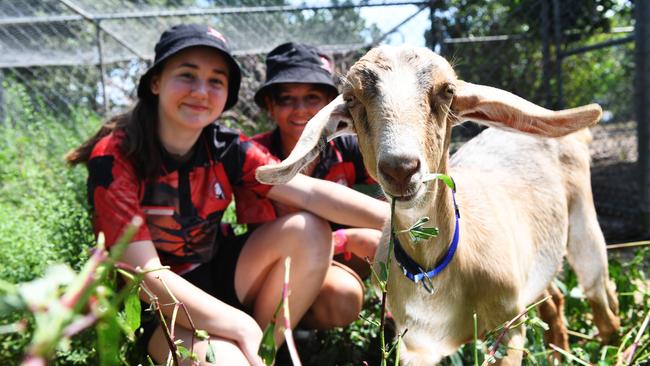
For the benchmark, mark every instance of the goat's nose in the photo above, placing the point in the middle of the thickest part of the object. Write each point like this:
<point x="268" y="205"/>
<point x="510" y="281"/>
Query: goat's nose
<point x="399" y="170"/>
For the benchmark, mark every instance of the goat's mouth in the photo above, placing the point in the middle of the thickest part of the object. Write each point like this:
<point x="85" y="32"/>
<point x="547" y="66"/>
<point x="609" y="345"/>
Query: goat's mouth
<point x="405" y="196"/>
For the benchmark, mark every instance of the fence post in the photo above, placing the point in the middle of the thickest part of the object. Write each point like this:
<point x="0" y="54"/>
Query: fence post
<point x="557" y="25"/>
<point x="546" y="55"/>
<point x="435" y="36"/>
<point x="100" y="61"/>
<point x="642" y="94"/>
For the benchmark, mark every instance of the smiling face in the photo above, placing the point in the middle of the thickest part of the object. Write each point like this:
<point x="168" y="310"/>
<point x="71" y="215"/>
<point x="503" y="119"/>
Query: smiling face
<point x="292" y="105"/>
<point x="192" y="90"/>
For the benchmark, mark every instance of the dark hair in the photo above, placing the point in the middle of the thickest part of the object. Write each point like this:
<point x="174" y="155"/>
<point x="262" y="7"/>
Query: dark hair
<point x="140" y="144"/>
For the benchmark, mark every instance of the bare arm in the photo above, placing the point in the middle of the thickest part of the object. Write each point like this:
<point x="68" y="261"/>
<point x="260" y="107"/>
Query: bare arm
<point x="362" y="242"/>
<point x="332" y="201"/>
<point x="207" y="312"/>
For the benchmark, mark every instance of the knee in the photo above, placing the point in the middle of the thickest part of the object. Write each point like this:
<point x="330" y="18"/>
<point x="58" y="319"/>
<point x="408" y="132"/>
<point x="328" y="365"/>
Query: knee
<point x="338" y="304"/>
<point x="313" y="238"/>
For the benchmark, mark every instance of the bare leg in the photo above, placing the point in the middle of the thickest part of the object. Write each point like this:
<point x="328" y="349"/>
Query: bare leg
<point x="260" y="270"/>
<point x="226" y="351"/>
<point x="339" y="301"/>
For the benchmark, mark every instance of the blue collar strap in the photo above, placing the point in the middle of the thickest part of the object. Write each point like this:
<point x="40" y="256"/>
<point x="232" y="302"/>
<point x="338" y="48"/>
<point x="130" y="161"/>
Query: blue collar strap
<point x="413" y="271"/>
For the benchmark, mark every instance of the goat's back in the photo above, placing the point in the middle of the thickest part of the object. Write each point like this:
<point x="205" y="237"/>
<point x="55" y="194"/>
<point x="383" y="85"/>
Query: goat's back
<point x="517" y="189"/>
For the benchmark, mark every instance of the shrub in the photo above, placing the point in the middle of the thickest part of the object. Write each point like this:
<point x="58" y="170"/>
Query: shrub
<point x="43" y="211"/>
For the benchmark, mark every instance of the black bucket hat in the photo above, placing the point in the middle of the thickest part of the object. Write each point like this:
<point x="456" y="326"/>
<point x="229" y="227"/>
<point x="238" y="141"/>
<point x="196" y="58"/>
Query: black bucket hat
<point x="180" y="37"/>
<point x="295" y="63"/>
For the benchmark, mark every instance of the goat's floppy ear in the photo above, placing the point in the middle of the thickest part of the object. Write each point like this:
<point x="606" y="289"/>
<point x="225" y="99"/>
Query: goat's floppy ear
<point x="499" y="108"/>
<point x="331" y="121"/>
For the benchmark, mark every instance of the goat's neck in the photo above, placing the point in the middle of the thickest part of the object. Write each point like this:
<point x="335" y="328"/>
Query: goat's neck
<point x="438" y="205"/>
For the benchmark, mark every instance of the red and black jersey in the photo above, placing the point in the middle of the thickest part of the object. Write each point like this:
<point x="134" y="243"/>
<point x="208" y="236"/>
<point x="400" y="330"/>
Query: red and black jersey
<point x="340" y="162"/>
<point x="183" y="206"/>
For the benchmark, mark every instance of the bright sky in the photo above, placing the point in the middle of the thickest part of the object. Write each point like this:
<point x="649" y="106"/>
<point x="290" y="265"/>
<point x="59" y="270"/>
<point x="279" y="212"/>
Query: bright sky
<point x="386" y="17"/>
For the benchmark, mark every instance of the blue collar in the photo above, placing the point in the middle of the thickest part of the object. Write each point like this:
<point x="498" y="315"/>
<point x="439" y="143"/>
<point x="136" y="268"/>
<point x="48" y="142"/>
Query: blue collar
<point x="413" y="271"/>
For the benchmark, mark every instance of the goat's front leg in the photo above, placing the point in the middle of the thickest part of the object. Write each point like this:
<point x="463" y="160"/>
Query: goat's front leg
<point x="515" y="343"/>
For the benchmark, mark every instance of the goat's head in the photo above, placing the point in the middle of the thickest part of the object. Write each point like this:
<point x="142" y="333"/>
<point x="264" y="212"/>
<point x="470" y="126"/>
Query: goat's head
<point x="402" y="102"/>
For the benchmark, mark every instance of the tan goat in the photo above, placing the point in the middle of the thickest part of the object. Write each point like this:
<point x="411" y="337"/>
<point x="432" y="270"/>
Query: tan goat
<point x="524" y="198"/>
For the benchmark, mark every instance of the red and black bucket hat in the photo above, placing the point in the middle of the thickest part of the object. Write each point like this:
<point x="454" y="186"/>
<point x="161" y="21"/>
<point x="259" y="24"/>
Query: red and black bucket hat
<point x="180" y="37"/>
<point x="295" y="63"/>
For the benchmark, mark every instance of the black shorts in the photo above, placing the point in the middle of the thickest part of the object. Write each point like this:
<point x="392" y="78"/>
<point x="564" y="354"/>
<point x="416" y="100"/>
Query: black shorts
<point x="216" y="278"/>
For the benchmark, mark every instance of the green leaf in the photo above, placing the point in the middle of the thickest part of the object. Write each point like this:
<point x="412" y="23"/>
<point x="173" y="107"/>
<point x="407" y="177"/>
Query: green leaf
<point x="444" y="178"/>
<point x="423" y="233"/>
<point x="456" y="360"/>
<point x="202" y="334"/>
<point x="11" y="303"/>
<point x="383" y="273"/>
<point x="421" y="221"/>
<point x="150" y="361"/>
<point x="108" y="341"/>
<point x="132" y="309"/>
<point x="184" y="353"/>
<point x="418" y="232"/>
<point x="537" y="322"/>
<point x="267" y="348"/>
<point x="371" y="321"/>
<point x="209" y="355"/>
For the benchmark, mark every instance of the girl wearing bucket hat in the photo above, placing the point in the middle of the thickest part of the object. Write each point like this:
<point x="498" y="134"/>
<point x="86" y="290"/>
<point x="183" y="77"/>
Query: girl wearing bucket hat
<point x="298" y="84"/>
<point x="170" y="162"/>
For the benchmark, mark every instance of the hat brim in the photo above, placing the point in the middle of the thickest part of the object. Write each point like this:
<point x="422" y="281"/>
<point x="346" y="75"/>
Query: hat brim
<point x="295" y="75"/>
<point x="234" y="78"/>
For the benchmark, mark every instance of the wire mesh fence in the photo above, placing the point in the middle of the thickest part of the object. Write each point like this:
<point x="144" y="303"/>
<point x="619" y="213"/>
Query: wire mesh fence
<point x="66" y="54"/>
<point x="89" y="54"/>
<point x="560" y="55"/>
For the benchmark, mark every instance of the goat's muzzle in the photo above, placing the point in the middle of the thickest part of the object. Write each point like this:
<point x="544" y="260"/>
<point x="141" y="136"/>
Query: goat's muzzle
<point x="399" y="175"/>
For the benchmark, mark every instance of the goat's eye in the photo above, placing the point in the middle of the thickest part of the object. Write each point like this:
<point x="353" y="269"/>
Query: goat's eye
<point x="449" y="90"/>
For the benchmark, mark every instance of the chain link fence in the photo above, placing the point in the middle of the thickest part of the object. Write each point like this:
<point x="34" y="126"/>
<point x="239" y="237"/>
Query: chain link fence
<point x="560" y="54"/>
<point x="68" y="54"/>
<point x="89" y="53"/>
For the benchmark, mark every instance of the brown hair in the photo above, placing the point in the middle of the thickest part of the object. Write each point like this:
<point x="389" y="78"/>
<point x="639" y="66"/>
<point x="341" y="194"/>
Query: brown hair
<point x="140" y="145"/>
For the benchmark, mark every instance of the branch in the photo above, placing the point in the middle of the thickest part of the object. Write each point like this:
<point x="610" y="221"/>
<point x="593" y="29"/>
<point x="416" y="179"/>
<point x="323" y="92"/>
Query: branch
<point x="288" y="334"/>
<point x="507" y="327"/>
<point x="635" y="345"/>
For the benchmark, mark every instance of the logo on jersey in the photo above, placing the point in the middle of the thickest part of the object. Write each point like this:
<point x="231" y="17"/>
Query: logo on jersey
<point x="218" y="192"/>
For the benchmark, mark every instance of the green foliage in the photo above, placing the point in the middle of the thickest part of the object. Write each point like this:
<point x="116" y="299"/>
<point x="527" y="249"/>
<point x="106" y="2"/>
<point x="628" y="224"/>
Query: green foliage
<point x="43" y="212"/>
<point x="628" y="271"/>
<point x="351" y="345"/>
<point x="268" y="348"/>
<point x="517" y="64"/>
